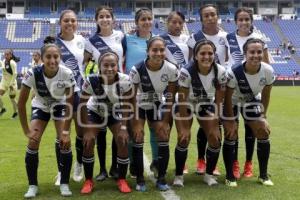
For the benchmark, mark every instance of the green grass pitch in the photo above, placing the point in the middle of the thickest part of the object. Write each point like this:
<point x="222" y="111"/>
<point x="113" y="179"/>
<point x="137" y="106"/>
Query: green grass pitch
<point x="283" y="116"/>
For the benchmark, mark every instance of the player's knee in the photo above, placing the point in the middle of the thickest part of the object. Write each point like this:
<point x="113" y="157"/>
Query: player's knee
<point x="33" y="143"/>
<point x="262" y="133"/>
<point x="214" y="139"/>
<point x="183" y="141"/>
<point x="89" y="143"/>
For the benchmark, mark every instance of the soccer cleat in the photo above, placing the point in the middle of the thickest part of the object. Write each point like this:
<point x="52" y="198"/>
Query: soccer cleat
<point x="87" y="187"/>
<point x="216" y="172"/>
<point x="210" y="180"/>
<point x="14" y="116"/>
<point x="123" y="186"/>
<point x="178" y="181"/>
<point x="141" y="187"/>
<point x="185" y="169"/>
<point x="201" y="166"/>
<point x="65" y="190"/>
<point x="236" y="169"/>
<point x="78" y="172"/>
<point x="161" y="184"/>
<point x="57" y="179"/>
<point x="230" y="183"/>
<point x="154" y="168"/>
<point x="265" y="181"/>
<point x="248" y="169"/>
<point x="31" y="192"/>
<point x="3" y="110"/>
<point x="102" y="176"/>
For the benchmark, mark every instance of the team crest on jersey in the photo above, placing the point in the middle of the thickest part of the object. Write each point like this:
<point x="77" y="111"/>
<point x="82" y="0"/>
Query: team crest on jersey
<point x="223" y="77"/>
<point x="164" y="78"/>
<point x="60" y="84"/>
<point x="262" y="81"/>
<point x="79" y="45"/>
<point x="222" y="41"/>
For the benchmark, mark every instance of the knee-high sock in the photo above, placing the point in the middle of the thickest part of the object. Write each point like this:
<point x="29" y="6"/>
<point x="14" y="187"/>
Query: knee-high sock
<point x="228" y="156"/>
<point x="212" y="156"/>
<point x="88" y="164"/>
<point x="201" y="143"/>
<point x="180" y="159"/>
<point x="57" y="153"/>
<point x="32" y="162"/>
<point x="236" y="150"/>
<point x="79" y="149"/>
<point x="114" y="151"/>
<point x="153" y="143"/>
<point x="138" y="158"/>
<point x="15" y="106"/>
<point x="263" y="153"/>
<point x="101" y="149"/>
<point x="122" y="166"/>
<point x="65" y="165"/>
<point x="250" y="142"/>
<point x="163" y="158"/>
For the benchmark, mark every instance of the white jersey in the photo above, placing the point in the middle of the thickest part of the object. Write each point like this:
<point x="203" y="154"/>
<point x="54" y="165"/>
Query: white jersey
<point x="110" y="92"/>
<point x="160" y="79"/>
<point x="257" y="82"/>
<point x="185" y="80"/>
<point x="76" y="47"/>
<point x="114" y="42"/>
<point x="181" y="42"/>
<point x="241" y="41"/>
<point x="219" y="41"/>
<point x="56" y="86"/>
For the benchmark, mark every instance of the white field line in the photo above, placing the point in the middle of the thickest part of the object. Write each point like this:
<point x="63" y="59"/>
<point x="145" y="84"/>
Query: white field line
<point x="167" y="195"/>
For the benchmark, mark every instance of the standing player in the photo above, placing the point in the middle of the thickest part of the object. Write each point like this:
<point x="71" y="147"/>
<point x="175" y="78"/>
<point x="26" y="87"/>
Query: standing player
<point x="54" y="87"/>
<point x="177" y="50"/>
<point x="72" y="47"/>
<point x="36" y="59"/>
<point x="246" y="81"/>
<point x="210" y="31"/>
<point x="135" y="47"/>
<point x="8" y="81"/>
<point x="156" y="80"/>
<point x="244" y="20"/>
<point x="201" y="86"/>
<point x="110" y="94"/>
<point x="105" y="39"/>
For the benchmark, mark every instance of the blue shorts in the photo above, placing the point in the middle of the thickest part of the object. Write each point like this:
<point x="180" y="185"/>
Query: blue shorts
<point x="97" y="119"/>
<point x="58" y="113"/>
<point x="152" y="115"/>
<point x="251" y="112"/>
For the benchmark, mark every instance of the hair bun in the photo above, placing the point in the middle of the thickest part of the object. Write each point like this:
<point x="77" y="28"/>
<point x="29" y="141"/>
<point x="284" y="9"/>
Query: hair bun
<point x="49" y="40"/>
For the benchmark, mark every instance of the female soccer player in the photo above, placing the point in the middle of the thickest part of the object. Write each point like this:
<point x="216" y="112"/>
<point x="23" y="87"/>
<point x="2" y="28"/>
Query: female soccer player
<point x="246" y="81"/>
<point x="72" y="47"/>
<point x="156" y="80"/>
<point x="110" y="93"/>
<point x="135" y="48"/>
<point x="244" y="20"/>
<point x="36" y="59"/>
<point x="54" y="87"/>
<point x="105" y="39"/>
<point x="8" y="81"/>
<point x="210" y="30"/>
<point x="177" y="50"/>
<point x="201" y="90"/>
